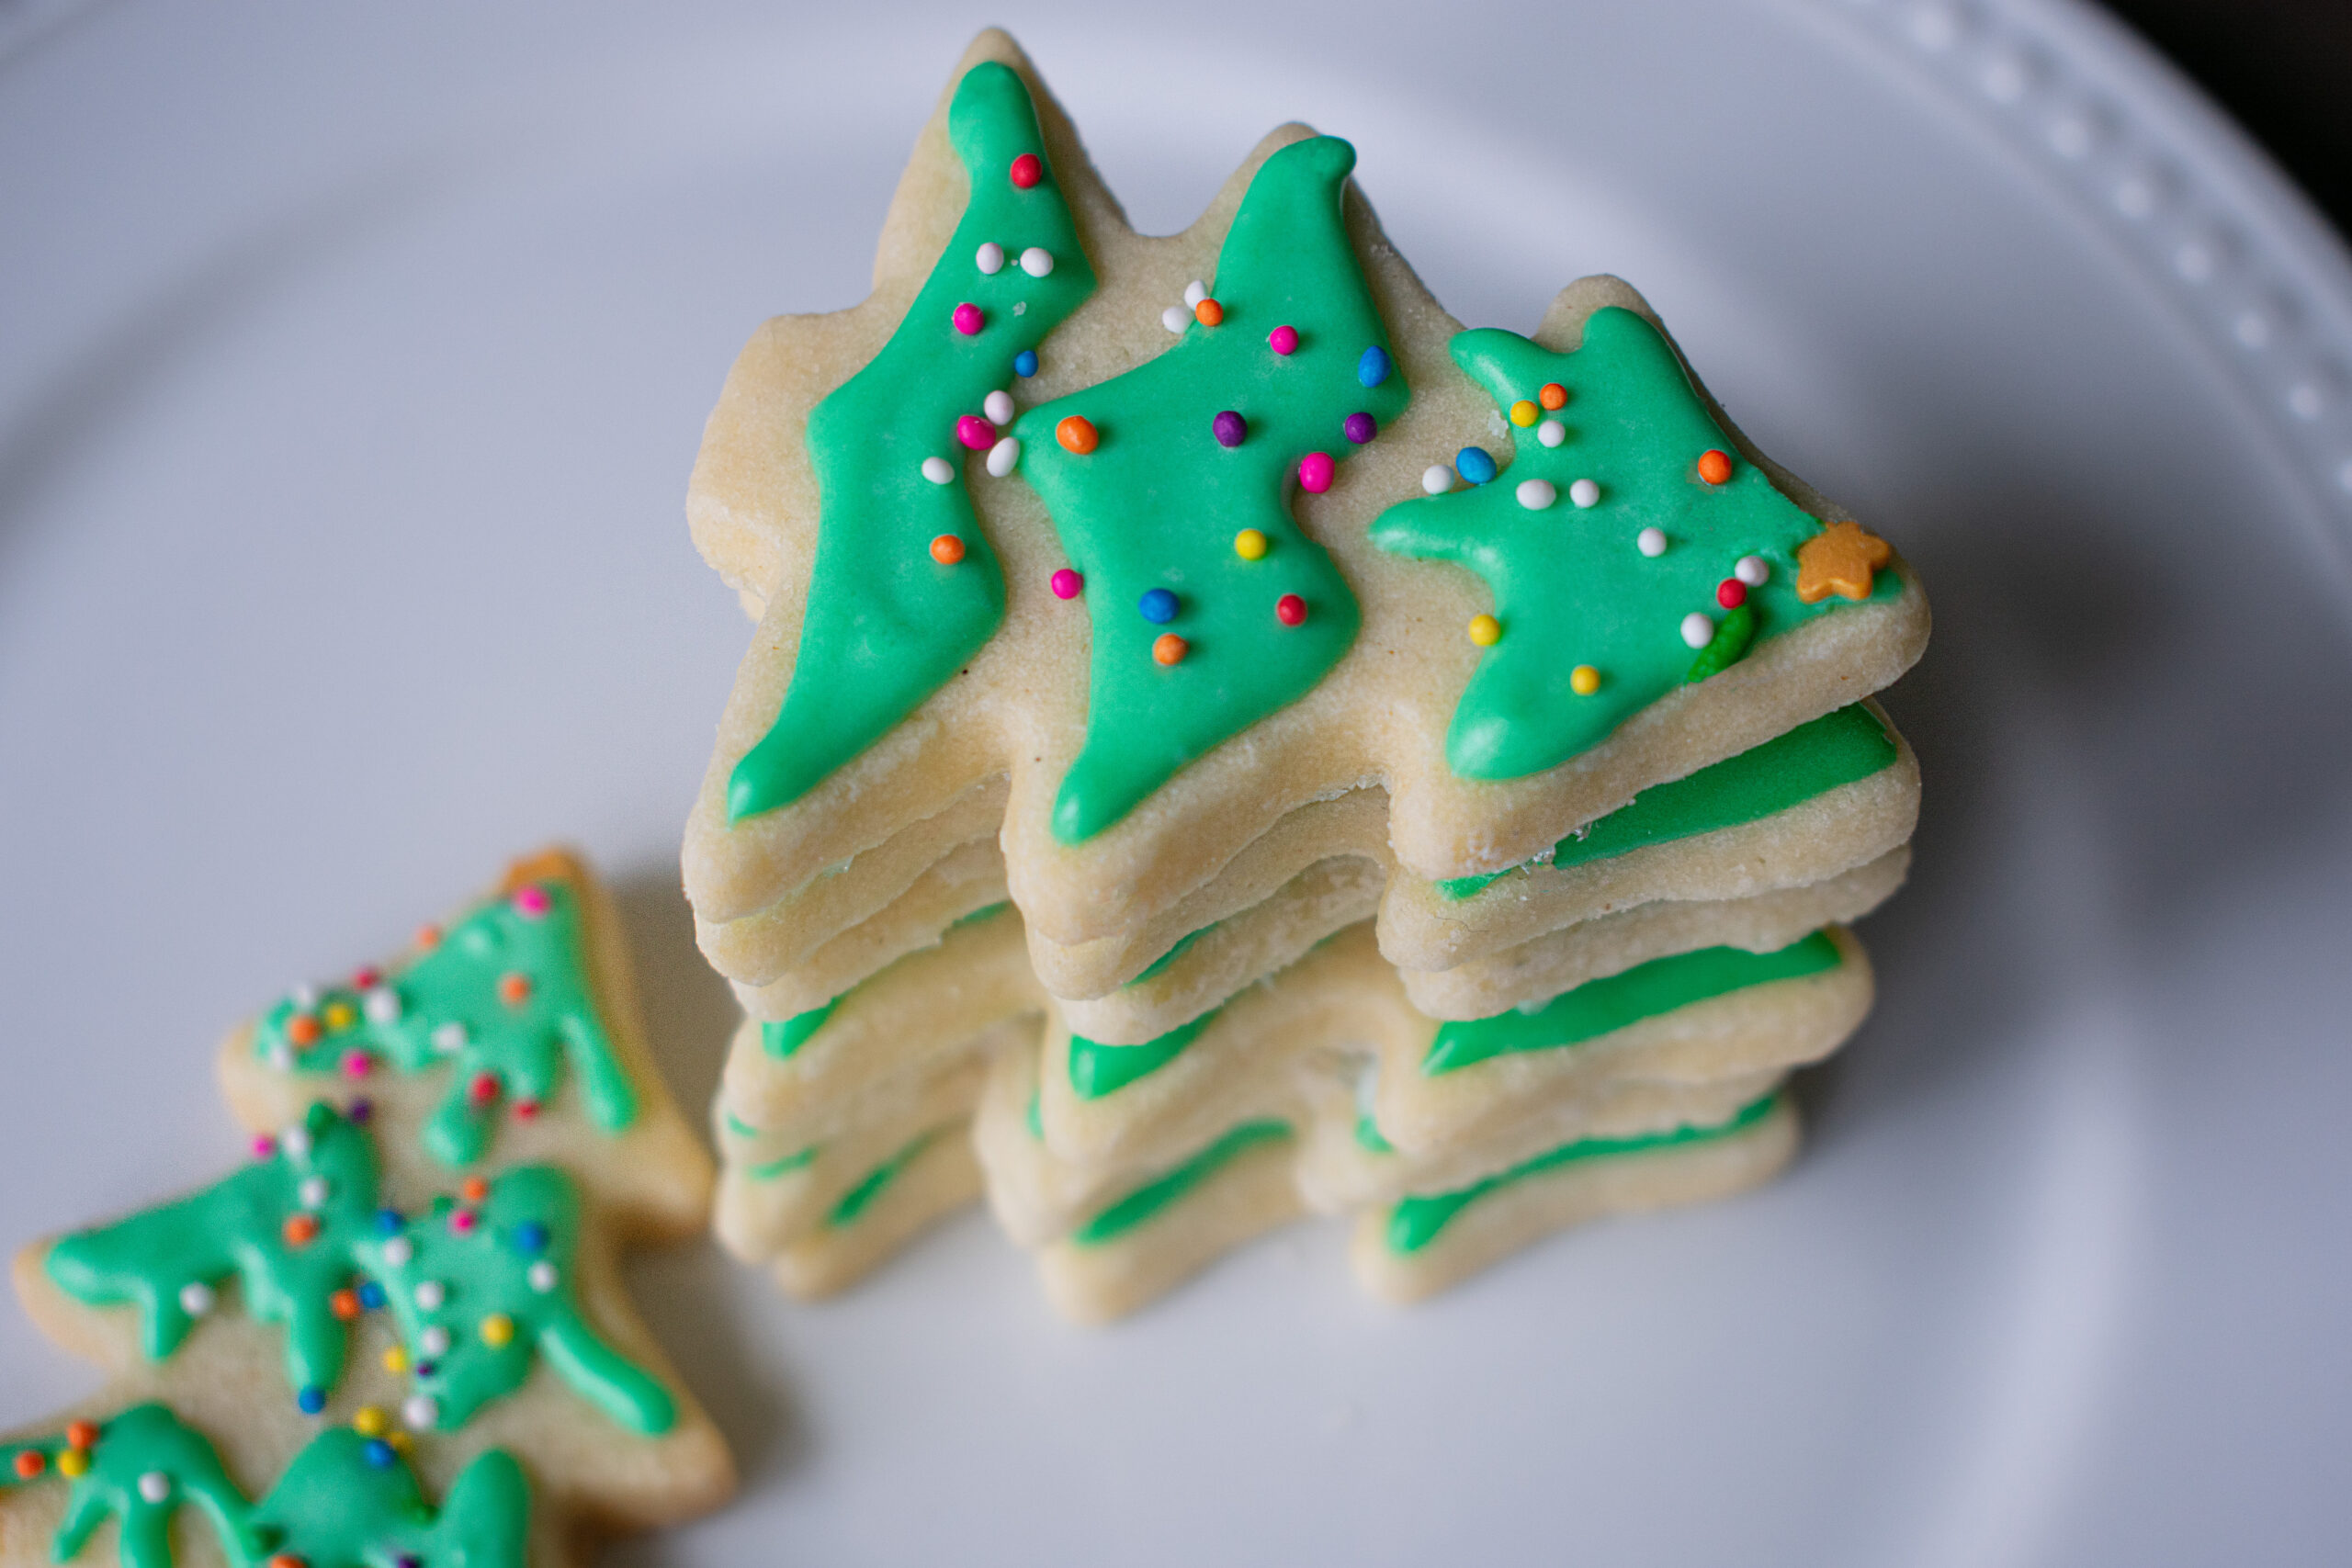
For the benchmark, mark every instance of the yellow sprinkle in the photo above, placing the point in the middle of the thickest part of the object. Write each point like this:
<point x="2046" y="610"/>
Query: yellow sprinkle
<point x="73" y="1462"/>
<point x="398" y="1439"/>
<point x="1584" y="679"/>
<point x="1524" y="413"/>
<point x="1486" y="631"/>
<point x="396" y="1359"/>
<point x="1249" y="545"/>
<point x="497" y="1329"/>
<point x="369" y="1422"/>
<point x="339" y="1015"/>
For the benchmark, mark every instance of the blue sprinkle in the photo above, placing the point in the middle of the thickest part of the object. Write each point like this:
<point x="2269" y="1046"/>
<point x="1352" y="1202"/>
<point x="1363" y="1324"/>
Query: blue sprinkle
<point x="311" y="1401"/>
<point x="1025" y="362"/>
<point x="1373" y="367"/>
<point x="530" y="1238"/>
<point x="380" y="1453"/>
<point x="1158" y="606"/>
<point x="1475" y="464"/>
<point x="371" y="1295"/>
<point x="387" y="1221"/>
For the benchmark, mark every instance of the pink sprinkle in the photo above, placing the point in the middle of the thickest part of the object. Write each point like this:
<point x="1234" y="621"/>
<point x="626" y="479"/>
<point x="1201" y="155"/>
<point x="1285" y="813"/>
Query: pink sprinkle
<point x="532" y="900"/>
<point x="365" y="979"/>
<point x="265" y="1146"/>
<point x="1315" y="471"/>
<point x="1282" y="339"/>
<point x="1065" y="583"/>
<point x="976" y="433"/>
<point x="356" y="1064"/>
<point x="525" y="1108"/>
<point x="461" y="1221"/>
<point x="969" y="319"/>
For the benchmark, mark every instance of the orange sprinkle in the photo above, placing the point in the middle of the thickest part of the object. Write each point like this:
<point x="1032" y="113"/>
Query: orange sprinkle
<point x="428" y="938"/>
<point x="1170" y="648"/>
<point x="287" y="1560"/>
<point x="300" y="1230"/>
<point x="947" y="550"/>
<point x="475" y="1189"/>
<point x="1715" y="466"/>
<point x="1208" y="313"/>
<point x="302" y="1030"/>
<point x="1076" y="435"/>
<point x="29" y="1463"/>
<point x="1553" y="396"/>
<point x="514" y="987"/>
<point x="345" y="1304"/>
<point x="82" y="1433"/>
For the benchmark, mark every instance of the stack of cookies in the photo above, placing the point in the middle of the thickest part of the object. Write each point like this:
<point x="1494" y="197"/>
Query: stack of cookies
<point x="1222" y="743"/>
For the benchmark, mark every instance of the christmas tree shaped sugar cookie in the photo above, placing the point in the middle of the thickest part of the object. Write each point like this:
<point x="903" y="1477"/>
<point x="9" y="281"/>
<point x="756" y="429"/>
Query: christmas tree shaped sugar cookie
<point x="1200" y="635"/>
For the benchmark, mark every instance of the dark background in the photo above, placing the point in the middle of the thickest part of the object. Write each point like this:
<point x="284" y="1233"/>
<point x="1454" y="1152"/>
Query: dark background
<point x="2282" y="67"/>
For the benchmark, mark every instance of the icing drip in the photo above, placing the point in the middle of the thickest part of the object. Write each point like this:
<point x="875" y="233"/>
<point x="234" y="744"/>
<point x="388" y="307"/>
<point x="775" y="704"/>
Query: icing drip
<point x="1096" y="1069"/>
<point x="1150" y="1198"/>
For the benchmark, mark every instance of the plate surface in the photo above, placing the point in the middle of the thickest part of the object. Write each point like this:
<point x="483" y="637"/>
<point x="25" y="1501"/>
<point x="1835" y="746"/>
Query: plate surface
<point x="354" y="359"/>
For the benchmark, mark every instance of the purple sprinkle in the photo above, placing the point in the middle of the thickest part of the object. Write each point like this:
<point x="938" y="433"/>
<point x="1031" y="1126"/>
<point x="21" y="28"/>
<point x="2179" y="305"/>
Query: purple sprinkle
<point x="360" y="1111"/>
<point x="1360" y="428"/>
<point x="1229" y="428"/>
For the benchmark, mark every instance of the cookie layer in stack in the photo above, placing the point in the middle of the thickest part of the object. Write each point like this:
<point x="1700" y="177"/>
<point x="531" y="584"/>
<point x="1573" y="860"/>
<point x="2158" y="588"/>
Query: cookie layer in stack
<point x="1223" y="749"/>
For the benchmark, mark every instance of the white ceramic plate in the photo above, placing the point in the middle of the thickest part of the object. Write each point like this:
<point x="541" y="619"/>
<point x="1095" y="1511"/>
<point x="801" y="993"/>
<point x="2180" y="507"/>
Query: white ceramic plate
<point x="351" y="363"/>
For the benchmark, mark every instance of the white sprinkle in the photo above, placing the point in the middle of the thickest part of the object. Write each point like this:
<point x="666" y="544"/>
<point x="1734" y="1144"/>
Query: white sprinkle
<point x="449" y="1039"/>
<point x="196" y="1298"/>
<point x="1697" y="630"/>
<point x="382" y="1004"/>
<point x="431" y="1293"/>
<point x="938" y="471"/>
<point x="397" y="1251"/>
<point x="1551" y="433"/>
<point x="1003" y="456"/>
<point x="1754" y="570"/>
<point x="280" y="1056"/>
<point x="1437" y="479"/>
<point x="1176" y="319"/>
<point x="998" y="406"/>
<point x="421" y="1411"/>
<point x="312" y="1192"/>
<point x="305" y="997"/>
<point x="154" y="1486"/>
<point x="295" y="1141"/>
<point x="1021" y="308"/>
<point x="1584" y="492"/>
<point x="990" y="258"/>
<point x="1537" y="494"/>
<point x="541" y="1275"/>
<point x="1194" y="292"/>
<point x="434" y="1341"/>
<point x="1036" y="260"/>
<point x="1651" y="541"/>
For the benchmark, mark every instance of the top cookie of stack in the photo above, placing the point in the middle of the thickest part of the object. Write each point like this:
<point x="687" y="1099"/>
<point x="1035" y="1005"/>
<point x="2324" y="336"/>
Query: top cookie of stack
<point x="1206" y="595"/>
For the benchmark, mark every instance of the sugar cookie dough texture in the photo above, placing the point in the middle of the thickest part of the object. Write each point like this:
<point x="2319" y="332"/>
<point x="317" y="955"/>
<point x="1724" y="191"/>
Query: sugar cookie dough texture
<point x="1223" y="743"/>
<point x="397" y="1333"/>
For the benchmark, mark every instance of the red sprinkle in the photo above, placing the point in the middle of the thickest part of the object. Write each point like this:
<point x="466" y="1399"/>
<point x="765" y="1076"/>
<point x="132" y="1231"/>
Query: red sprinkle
<point x="1027" y="170"/>
<point x="483" y="1089"/>
<point x="1731" y="593"/>
<point x="1290" y="610"/>
<point x="365" y="979"/>
<point x="29" y="1463"/>
<point x="1715" y="466"/>
<point x="525" y="1108"/>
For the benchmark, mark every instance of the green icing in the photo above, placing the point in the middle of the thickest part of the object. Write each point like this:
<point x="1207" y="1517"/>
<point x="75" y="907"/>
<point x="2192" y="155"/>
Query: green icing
<point x="1183" y="945"/>
<point x="784" y="1165"/>
<point x="238" y="1228"/>
<point x="1599" y="1007"/>
<point x="447" y="1007"/>
<point x="301" y="1225"/>
<point x="1812" y="759"/>
<point x="1416" y="1221"/>
<point x="1570" y="587"/>
<point x="1035" y="1118"/>
<point x="1159" y="501"/>
<point x="452" y="1271"/>
<point x="781" y="1039"/>
<point x="1153" y="1196"/>
<point x="1369" y="1137"/>
<point x="1096" y="1069"/>
<point x="344" y="1501"/>
<point x="985" y="912"/>
<point x="860" y="1198"/>
<point x="887" y="625"/>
